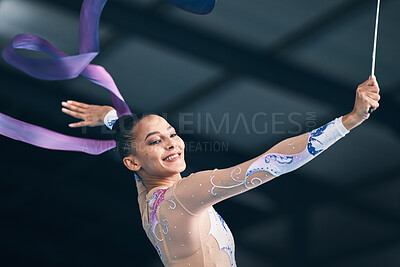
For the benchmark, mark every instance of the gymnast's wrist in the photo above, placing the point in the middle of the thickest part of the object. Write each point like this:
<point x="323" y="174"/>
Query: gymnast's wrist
<point x="110" y="118"/>
<point x="350" y="121"/>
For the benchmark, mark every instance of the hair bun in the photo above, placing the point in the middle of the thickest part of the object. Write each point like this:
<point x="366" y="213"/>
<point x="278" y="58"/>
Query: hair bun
<point x="122" y="125"/>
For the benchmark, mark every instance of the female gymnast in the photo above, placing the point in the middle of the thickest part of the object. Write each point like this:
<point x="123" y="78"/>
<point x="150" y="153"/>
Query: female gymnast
<point x="177" y="213"/>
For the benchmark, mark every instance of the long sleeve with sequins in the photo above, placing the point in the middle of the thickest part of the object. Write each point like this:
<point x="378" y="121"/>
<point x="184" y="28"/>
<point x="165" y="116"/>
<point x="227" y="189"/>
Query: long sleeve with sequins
<point x="200" y="190"/>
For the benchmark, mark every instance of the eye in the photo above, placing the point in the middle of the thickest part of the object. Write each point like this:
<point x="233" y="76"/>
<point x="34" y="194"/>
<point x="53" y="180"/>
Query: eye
<point x="154" y="142"/>
<point x="157" y="141"/>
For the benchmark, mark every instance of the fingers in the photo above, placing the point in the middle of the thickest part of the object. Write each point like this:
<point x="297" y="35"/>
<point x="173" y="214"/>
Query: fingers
<point x="78" y="104"/>
<point x="375" y="97"/>
<point x="73" y="113"/>
<point x="374" y="104"/>
<point x="78" y="124"/>
<point x="373" y="89"/>
<point x="75" y="106"/>
<point x="371" y="85"/>
<point x="82" y="111"/>
<point x="367" y="97"/>
<point x="370" y="82"/>
<point x="371" y="100"/>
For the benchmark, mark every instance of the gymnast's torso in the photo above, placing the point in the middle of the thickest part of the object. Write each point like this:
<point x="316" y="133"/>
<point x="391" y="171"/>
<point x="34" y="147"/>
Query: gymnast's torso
<point x="182" y="238"/>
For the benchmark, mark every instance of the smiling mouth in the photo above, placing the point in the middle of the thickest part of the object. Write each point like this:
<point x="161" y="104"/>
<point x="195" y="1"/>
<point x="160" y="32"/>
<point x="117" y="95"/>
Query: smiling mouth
<point x="173" y="157"/>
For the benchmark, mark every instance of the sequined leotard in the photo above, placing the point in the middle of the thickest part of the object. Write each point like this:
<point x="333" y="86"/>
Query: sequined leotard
<point x="180" y="220"/>
<point x="181" y="237"/>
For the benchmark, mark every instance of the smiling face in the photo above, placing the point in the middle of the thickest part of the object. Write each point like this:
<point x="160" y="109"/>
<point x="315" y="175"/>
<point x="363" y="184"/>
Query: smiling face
<point x="159" y="151"/>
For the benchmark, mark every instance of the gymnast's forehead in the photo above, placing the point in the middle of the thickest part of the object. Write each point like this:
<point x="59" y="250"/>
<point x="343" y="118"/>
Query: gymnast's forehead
<point x="152" y="123"/>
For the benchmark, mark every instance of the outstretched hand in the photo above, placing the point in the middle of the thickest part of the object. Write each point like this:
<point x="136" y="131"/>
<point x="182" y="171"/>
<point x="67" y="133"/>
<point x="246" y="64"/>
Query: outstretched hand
<point x="91" y="115"/>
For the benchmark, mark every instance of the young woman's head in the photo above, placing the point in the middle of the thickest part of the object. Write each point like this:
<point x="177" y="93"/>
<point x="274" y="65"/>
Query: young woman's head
<point x="149" y="146"/>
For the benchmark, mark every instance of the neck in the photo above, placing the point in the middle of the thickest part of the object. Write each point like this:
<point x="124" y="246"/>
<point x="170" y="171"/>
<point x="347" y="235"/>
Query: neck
<point x="151" y="182"/>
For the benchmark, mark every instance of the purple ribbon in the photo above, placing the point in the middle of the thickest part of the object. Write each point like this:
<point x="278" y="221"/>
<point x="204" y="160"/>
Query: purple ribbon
<point x="63" y="67"/>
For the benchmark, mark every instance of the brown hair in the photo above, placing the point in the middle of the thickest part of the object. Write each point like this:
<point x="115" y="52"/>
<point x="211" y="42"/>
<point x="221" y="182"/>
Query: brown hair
<point x="124" y="135"/>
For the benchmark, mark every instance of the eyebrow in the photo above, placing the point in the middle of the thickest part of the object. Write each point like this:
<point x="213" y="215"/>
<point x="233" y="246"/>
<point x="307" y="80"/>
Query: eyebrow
<point x="157" y="132"/>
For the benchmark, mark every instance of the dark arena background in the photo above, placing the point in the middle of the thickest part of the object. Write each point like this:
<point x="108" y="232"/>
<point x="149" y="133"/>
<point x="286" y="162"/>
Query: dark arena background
<point x="233" y="83"/>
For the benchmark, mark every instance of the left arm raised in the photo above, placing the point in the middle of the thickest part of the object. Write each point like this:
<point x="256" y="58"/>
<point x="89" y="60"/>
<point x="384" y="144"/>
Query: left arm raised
<point x="202" y="189"/>
<point x="205" y="188"/>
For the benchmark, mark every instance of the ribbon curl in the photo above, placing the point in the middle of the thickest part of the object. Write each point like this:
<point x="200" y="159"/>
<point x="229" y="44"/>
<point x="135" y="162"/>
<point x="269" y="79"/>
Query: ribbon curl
<point x="63" y="67"/>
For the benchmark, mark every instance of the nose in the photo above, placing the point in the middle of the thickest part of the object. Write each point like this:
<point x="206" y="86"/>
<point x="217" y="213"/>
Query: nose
<point x="171" y="144"/>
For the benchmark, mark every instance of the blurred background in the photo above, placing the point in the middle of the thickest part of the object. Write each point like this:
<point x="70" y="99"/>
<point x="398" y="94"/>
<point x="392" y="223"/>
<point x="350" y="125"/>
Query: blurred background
<point x="233" y="83"/>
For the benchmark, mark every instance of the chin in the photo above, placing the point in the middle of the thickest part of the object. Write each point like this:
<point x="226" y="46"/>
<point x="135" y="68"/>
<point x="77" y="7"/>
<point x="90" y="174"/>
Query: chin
<point x="184" y="168"/>
<point x="181" y="169"/>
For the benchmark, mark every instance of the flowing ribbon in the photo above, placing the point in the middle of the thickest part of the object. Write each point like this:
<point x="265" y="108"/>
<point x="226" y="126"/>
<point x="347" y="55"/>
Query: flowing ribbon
<point x="63" y="67"/>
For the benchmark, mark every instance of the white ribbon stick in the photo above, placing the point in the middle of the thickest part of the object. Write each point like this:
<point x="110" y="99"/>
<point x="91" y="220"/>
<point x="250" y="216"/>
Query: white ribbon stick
<point x="375" y="39"/>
